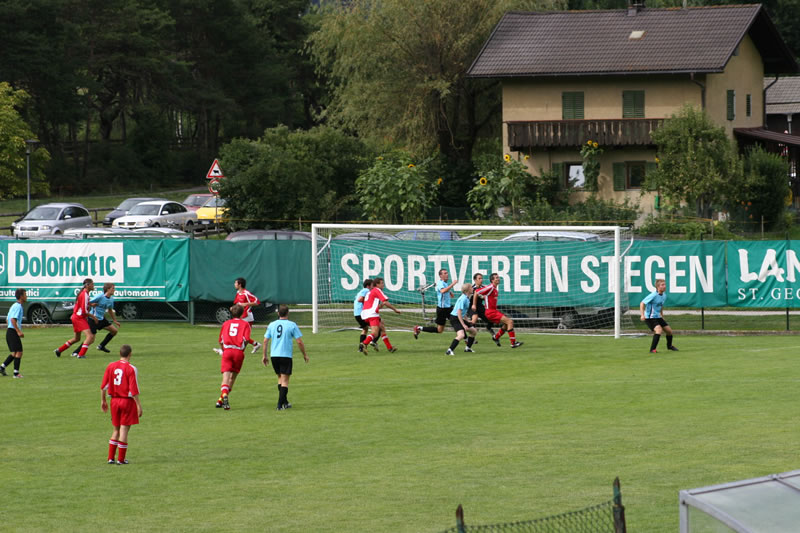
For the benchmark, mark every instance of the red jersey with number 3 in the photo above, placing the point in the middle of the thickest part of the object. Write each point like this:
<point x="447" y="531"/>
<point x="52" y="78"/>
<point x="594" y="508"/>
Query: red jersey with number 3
<point x="246" y="297"/>
<point x="120" y="380"/>
<point x="235" y="334"/>
<point x="81" y="307"/>
<point x="489" y="292"/>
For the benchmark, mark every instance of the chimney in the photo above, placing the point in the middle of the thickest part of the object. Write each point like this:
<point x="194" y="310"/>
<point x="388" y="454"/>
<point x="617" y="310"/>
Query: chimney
<point x="634" y="6"/>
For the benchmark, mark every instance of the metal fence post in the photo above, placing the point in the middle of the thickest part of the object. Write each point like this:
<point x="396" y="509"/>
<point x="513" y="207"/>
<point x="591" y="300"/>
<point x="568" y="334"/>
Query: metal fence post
<point x="460" y="519"/>
<point x="619" y="509"/>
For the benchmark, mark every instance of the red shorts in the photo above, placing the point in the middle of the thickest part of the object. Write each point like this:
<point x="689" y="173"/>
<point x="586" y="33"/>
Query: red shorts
<point x="232" y="361"/>
<point x="124" y="412"/>
<point x="494" y="316"/>
<point x="374" y="321"/>
<point x="79" y="324"/>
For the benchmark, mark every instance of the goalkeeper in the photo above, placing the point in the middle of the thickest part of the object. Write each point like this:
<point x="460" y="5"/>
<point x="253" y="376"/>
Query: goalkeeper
<point x="652" y="313"/>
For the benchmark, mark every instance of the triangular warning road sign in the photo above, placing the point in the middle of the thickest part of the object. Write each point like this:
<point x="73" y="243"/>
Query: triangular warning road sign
<point x="215" y="171"/>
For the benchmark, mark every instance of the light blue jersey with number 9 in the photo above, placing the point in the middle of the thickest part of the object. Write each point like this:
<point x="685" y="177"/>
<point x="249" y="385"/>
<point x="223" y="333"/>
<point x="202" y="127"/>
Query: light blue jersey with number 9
<point x="282" y="333"/>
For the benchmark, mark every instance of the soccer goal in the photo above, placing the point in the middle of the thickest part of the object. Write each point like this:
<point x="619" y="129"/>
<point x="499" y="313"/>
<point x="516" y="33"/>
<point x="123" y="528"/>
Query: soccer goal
<point x="559" y="279"/>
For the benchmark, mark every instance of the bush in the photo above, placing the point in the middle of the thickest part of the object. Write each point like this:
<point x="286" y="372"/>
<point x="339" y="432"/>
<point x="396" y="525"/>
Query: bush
<point x="684" y="229"/>
<point x="396" y="190"/>
<point x="764" y="191"/>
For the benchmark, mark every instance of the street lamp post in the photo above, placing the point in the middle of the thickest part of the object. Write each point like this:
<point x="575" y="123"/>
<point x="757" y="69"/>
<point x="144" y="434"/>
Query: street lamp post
<point x="30" y="146"/>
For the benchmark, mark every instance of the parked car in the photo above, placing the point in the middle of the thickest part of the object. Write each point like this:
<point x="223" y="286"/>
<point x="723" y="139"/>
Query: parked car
<point x="366" y="236"/>
<point x="51" y="219"/>
<point x="40" y="312"/>
<point x="123" y="208"/>
<point x="159" y="213"/>
<point x="162" y="232"/>
<point x="96" y="232"/>
<point x="212" y="212"/>
<point x="552" y="236"/>
<point x="268" y="235"/>
<point x="193" y="202"/>
<point x="428" y="235"/>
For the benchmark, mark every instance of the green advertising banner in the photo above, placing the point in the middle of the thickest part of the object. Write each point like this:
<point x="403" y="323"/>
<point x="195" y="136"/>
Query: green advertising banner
<point x="763" y="274"/>
<point x="55" y="270"/>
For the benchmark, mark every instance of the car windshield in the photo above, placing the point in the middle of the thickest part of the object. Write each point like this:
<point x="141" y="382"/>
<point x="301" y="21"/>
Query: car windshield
<point x="195" y="200"/>
<point x="214" y="202"/>
<point x="145" y="209"/>
<point x="43" y="213"/>
<point x="127" y="204"/>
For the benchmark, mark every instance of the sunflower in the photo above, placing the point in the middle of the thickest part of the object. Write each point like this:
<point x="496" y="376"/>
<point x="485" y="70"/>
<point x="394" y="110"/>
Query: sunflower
<point x="658" y="160"/>
<point x="527" y="157"/>
<point x="380" y="158"/>
<point x="507" y="158"/>
<point x="483" y="181"/>
<point x="439" y="181"/>
<point x="589" y="142"/>
<point x="410" y="165"/>
<point x="594" y="144"/>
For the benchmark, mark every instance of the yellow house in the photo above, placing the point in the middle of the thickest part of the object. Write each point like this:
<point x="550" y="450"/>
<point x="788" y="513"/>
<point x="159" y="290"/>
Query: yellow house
<point x="614" y="76"/>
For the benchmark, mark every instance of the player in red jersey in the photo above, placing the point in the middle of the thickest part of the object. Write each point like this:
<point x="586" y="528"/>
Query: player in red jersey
<point x="490" y="294"/>
<point x="371" y="313"/>
<point x="80" y="317"/>
<point x="245" y="298"/>
<point x="233" y="337"/>
<point x="121" y="382"/>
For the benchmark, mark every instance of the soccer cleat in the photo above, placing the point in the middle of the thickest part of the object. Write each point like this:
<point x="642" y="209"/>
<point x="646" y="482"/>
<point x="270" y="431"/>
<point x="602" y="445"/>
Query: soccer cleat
<point x="18" y="376"/>
<point x="672" y="348"/>
<point x="219" y="404"/>
<point x="103" y="348"/>
<point x="653" y="351"/>
<point x="58" y="354"/>
<point x="3" y="371"/>
<point x="469" y="350"/>
<point x="287" y="405"/>
<point x="225" y="404"/>
<point x="80" y="357"/>
<point x="393" y="349"/>
<point x="125" y="462"/>
<point x="516" y="344"/>
<point x="74" y="354"/>
<point x="449" y="352"/>
<point x="496" y="341"/>
<point x="218" y="351"/>
<point x="360" y="347"/>
<point x="374" y="345"/>
<point x="416" y="331"/>
<point x="256" y="346"/>
<point x="112" y="462"/>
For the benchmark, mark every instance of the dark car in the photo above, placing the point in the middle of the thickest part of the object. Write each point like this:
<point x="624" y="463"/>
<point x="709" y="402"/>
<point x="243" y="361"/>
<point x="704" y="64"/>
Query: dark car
<point x="123" y="208"/>
<point x="268" y="235"/>
<point x="40" y="312"/>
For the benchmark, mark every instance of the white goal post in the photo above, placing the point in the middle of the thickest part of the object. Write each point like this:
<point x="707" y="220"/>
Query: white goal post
<point x="553" y="278"/>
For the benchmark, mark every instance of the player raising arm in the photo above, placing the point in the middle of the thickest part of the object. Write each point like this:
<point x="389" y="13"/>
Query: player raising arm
<point x="490" y="293"/>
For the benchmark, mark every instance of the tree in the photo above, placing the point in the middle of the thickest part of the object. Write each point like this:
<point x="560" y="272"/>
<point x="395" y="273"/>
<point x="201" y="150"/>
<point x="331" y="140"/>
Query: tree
<point x="765" y="188"/>
<point x="13" y="134"/>
<point x="395" y="190"/>
<point x="397" y="71"/>
<point x="697" y="162"/>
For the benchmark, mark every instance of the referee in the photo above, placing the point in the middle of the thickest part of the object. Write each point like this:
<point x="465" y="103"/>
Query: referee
<point x="14" y="333"/>
<point x="443" y="305"/>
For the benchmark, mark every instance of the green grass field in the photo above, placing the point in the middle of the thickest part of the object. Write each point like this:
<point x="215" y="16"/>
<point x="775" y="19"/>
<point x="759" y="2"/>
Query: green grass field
<point x="392" y="442"/>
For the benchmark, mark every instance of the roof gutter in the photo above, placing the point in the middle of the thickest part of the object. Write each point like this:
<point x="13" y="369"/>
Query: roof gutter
<point x="702" y="90"/>
<point x="764" y="100"/>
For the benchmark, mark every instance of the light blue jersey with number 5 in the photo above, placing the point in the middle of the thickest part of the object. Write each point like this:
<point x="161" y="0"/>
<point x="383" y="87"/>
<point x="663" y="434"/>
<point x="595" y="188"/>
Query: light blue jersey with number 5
<point x="282" y="333"/>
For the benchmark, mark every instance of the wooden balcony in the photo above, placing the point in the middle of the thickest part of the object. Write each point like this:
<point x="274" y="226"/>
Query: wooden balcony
<point x="572" y="133"/>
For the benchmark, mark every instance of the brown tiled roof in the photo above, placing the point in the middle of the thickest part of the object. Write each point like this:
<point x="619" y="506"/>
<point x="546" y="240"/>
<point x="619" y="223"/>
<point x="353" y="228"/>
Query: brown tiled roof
<point x="696" y="39"/>
<point x="786" y="91"/>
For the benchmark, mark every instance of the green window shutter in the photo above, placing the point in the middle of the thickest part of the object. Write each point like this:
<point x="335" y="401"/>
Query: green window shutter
<point x="559" y="169"/>
<point x="619" y="176"/>
<point x="748" y="105"/>
<point x="572" y="106"/>
<point x="632" y="104"/>
<point x="650" y="167"/>
<point x="731" y="104"/>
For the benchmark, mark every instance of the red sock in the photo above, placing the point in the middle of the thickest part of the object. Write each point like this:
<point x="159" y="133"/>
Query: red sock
<point x="388" y="344"/>
<point x="225" y="390"/>
<point x="66" y="345"/>
<point x="512" y="336"/>
<point x="499" y="334"/>
<point x="369" y="339"/>
<point x="83" y="349"/>
<point x="123" y="449"/>
<point x="112" y="449"/>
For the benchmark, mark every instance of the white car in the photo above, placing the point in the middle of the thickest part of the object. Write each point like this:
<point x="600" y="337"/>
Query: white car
<point x="156" y="214"/>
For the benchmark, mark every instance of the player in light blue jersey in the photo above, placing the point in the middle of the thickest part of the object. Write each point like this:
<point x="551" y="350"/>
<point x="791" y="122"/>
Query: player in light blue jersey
<point x="14" y="333"/>
<point x="279" y="338"/>
<point x="104" y="303"/>
<point x="652" y="312"/>
<point x="358" y="306"/>
<point x="443" y="306"/>
<point x="460" y="322"/>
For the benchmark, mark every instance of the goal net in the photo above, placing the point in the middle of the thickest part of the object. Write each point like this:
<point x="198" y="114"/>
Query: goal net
<point x="552" y="278"/>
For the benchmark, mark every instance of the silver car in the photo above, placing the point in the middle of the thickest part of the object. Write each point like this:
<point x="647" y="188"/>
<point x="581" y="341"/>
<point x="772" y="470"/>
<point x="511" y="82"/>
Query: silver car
<point x="51" y="219"/>
<point x="40" y="312"/>
<point x="154" y="214"/>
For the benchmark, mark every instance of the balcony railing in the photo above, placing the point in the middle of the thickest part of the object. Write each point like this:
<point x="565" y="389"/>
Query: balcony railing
<point x="571" y="133"/>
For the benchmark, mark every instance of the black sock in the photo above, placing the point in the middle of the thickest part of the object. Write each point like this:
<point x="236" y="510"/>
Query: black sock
<point x="107" y="340"/>
<point x="430" y="329"/>
<point x="17" y="361"/>
<point x="282" y="399"/>
<point x="454" y="344"/>
<point x="470" y="340"/>
<point x="361" y="338"/>
<point x="8" y="361"/>
<point x="653" y="344"/>
<point x="489" y="329"/>
<point x="669" y="341"/>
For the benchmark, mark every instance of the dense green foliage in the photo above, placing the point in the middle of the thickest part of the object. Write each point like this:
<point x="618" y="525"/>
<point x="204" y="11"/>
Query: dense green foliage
<point x="13" y="134"/>
<point x="764" y="191"/>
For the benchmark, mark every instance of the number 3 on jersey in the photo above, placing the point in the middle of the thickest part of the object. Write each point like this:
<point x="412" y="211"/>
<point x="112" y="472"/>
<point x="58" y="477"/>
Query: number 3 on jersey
<point x="117" y="376"/>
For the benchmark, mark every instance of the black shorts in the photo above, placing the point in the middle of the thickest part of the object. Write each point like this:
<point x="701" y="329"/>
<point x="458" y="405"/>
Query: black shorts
<point x="442" y="315"/>
<point x="456" y="323"/>
<point x="282" y="365"/>
<point x="13" y="340"/>
<point x="97" y="326"/>
<point x="361" y="322"/>
<point x="653" y="322"/>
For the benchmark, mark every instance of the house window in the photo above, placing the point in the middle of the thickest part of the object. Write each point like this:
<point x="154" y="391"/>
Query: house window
<point x="574" y="175"/>
<point x="634" y="174"/>
<point x="632" y="104"/>
<point x="748" y="105"/>
<point x="731" y="104"/>
<point x="572" y="105"/>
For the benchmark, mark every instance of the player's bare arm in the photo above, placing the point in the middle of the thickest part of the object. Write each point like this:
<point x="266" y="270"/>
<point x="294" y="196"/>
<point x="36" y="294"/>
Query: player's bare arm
<point x="103" y="404"/>
<point x="390" y="306"/>
<point x="138" y="404"/>
<point x="264" y="352"/>
<point x="302" y="349"/>
<point x="641" y="311"/>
